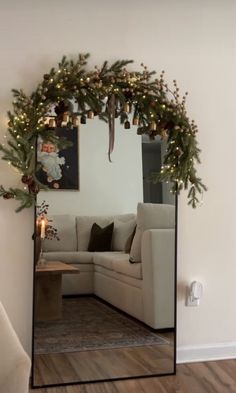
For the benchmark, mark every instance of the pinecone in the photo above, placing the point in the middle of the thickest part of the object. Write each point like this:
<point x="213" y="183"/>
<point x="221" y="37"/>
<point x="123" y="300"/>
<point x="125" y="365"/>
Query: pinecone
<point x="8" y="195"/>
<point x="27" y="179"/>
<point x="62" y="107"/>
<point x="33" y="188"/>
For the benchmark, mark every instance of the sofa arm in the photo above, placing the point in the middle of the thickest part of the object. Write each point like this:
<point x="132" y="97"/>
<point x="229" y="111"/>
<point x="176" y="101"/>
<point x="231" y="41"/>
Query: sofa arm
<point x="158" y="266"/>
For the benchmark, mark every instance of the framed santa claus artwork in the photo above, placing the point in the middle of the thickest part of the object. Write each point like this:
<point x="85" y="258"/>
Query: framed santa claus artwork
<point x="59" y="169"/>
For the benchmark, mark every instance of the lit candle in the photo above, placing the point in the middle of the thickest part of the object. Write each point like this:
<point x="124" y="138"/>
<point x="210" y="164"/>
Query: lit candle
<point x="43" y="225"/>
<point x="37" y="227"/>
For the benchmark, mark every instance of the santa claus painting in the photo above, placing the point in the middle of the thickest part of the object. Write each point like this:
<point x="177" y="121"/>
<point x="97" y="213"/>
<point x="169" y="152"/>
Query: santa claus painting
<point x="58" y="169"/>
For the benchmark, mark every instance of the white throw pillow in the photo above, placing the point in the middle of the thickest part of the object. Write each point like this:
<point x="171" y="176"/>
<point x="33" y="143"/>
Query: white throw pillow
<point x="150" y="216"/>
<point x="122" y="231"/>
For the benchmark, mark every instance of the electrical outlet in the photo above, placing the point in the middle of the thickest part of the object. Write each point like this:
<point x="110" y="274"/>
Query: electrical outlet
<point x="190" y="300"/>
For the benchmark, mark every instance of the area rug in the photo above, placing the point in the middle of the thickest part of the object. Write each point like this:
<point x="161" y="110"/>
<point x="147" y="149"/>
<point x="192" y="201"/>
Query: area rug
<point x="89" y="324"/>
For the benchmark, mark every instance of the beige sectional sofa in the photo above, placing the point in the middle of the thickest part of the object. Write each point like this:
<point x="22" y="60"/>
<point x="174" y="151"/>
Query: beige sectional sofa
<point x="145" y="289"/>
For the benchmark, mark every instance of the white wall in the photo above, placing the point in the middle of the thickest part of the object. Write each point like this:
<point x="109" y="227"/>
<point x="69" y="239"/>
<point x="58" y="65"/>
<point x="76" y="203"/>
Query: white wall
<point x="105" y="188"/>
<point x="194" y="41"/>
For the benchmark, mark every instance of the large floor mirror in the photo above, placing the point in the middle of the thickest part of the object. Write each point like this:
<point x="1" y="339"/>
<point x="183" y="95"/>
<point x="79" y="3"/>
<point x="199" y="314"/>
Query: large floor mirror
<point x="105" y="261"/>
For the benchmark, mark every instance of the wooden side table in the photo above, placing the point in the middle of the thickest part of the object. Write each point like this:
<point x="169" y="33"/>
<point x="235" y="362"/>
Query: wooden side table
<point x="48" y="290"/>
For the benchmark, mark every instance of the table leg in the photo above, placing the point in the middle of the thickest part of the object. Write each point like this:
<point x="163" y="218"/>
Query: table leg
<point x="48" y="297"/>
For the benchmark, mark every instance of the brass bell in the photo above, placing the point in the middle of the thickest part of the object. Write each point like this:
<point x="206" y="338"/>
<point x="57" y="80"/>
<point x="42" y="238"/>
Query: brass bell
<point x="76" y="121"/>
<point x="126" y="107"/>
<point x="83" y="119"/>
<point x="127" y="125"/>
<point x="65" y="118"/>
<point x="153" y="126"/>
<point x="136" y="121"/>
<point x="164" y="133"/>
<point x="90" y="114"/>
<point x="52" y="123"/>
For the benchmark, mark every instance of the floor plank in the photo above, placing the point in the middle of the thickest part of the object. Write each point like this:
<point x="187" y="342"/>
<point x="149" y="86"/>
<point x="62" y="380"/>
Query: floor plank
<point x="209" y="377"/>
<point x="103" y="364"/>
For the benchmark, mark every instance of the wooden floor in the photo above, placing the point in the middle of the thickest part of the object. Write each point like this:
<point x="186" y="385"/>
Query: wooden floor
<point x="103" y="364"/>
<point x="208" y="377"/>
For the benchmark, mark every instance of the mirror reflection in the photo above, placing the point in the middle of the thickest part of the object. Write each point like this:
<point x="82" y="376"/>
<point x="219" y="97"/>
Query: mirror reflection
<point x="104" y="262"/>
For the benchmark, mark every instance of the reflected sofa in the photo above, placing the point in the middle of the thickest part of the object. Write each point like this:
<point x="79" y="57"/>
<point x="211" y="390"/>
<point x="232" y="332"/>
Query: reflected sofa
<point x="144" y="289"/>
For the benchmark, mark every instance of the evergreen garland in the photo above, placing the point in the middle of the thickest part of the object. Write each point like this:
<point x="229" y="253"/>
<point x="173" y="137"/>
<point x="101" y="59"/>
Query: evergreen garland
<point x="109" y="92"/>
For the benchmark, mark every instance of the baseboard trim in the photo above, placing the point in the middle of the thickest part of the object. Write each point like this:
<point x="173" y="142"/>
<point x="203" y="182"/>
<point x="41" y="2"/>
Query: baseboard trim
<point x="203" y="353"/>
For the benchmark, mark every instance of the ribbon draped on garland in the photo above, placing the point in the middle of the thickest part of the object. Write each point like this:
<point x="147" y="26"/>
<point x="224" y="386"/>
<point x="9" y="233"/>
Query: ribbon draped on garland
<point x="111" y="122"/>
<point x="108" y="92"/>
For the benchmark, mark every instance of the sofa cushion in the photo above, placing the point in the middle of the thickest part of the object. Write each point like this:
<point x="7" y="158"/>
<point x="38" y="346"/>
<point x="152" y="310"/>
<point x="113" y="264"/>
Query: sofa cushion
<point x="151" y="216"/>
<point x="123" y="266"/>
<point x="84" y="225"/>
<point x="155" y="216"/>
<point x="66" y="228"/>
<point x="70" y="256"/>
<point x="99" y="270"/>
<point x="100" y="238"/>
<point x="122" y="232"/>
<point x="125" y="217"/>
<point x="106" y="259"/>
<point x="103" y="261"/>
<point x="119" y="263"/>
